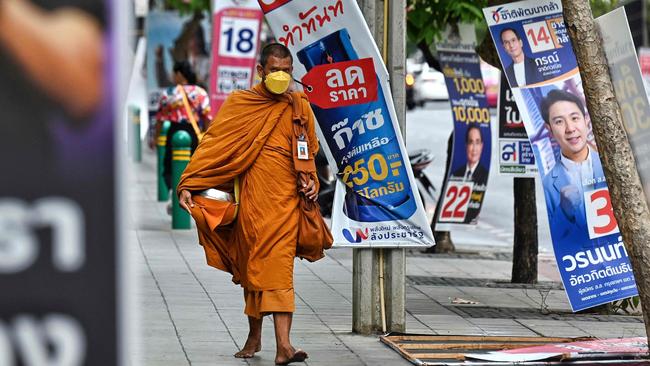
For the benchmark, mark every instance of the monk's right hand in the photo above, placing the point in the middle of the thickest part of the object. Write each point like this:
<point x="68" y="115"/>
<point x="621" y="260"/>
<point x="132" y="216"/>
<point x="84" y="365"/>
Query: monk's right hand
<point x="185" y="200"/>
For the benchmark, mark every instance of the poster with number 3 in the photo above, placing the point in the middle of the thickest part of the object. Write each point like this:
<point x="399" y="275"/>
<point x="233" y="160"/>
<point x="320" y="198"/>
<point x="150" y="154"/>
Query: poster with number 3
<point x="236" y="38"/>
<point x="536" y="53"/>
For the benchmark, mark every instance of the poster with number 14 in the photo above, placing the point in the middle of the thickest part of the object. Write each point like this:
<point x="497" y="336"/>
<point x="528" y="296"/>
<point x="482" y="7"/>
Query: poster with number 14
<point x="536" y="53"/>
<point x="236" y="38"/>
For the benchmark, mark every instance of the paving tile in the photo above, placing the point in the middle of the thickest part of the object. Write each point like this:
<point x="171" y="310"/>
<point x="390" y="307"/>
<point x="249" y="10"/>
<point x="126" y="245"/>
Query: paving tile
<point x="188" y="310"/>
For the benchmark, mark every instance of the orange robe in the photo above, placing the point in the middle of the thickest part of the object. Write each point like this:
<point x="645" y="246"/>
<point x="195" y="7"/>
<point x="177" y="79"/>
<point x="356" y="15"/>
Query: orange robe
<point x="251" y="137"/>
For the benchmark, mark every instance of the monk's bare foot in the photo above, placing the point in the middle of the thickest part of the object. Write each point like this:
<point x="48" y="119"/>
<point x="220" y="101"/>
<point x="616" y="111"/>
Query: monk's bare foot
<point x="287" y="355"/>
<point x="251" y="346"/>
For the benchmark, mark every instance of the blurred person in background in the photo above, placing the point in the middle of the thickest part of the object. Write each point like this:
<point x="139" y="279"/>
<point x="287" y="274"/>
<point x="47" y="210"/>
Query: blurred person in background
<point x="172" y="108"/>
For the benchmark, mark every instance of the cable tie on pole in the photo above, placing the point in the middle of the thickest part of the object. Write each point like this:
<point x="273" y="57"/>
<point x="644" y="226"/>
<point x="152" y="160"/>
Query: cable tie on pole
<point x="308" y="87"/>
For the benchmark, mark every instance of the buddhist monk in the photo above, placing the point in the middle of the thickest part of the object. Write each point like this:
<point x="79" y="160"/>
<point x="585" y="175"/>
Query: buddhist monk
<point x="251" y="138"/>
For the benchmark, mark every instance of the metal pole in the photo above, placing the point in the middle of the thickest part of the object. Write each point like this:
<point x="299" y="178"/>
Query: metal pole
<point x="395" y="259"/>
<point x="382" y="270"/>
<point x="366" y="311"/>
<point x="135" y="134"/>
<point x="161" y="142"/>
<point x="181" y="150"/>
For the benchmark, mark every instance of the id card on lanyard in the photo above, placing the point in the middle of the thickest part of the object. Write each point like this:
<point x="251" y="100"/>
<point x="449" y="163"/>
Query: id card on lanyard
<point x="303" y="149"/>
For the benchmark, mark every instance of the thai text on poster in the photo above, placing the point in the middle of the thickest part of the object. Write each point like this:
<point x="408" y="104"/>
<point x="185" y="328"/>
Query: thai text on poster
<point x="516" y="156"/>
<point x="466" y="184"/>
<point x="377" y="203"/>
<point x="533" y="43"/>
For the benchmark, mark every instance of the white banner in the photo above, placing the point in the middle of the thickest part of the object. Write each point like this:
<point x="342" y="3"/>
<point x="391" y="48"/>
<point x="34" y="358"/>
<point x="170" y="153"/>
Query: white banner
<point x="629" y="87"/>
<point x="377" y="203"/>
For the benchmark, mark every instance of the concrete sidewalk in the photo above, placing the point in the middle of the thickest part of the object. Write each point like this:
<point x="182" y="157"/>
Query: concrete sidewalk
<point x="192" y="314"/>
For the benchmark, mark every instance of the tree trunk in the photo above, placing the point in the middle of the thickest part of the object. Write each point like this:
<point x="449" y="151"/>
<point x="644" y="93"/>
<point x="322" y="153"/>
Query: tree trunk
<point x="442" y="238"/>
<point x="431" y="60"/>
<point x="630" y="207"/>
<point x="524" y="253"/>
<point x="488" y="52"/>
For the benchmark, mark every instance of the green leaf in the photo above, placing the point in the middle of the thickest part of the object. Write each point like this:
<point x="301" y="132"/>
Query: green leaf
<point x="418" y="17"/>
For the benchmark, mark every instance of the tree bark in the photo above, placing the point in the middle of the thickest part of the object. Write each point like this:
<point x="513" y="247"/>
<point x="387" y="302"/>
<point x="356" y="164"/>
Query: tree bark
<point x="525" y="249"/>
<point x="488" y="52"/>
<point x="630" y="207"/>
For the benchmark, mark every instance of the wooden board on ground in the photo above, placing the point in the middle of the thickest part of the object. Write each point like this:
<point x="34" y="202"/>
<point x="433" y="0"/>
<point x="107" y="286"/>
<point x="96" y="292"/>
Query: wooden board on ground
<point x="438" y="350"/>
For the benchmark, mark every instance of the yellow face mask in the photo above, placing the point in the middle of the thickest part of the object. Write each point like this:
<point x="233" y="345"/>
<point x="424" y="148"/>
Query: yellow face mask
<point x="277" y="82"/>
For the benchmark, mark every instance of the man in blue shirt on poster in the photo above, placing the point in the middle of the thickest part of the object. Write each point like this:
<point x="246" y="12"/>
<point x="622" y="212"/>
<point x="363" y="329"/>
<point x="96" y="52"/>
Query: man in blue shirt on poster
<point x="523" y="70"/>
<point x="578" y="171"/>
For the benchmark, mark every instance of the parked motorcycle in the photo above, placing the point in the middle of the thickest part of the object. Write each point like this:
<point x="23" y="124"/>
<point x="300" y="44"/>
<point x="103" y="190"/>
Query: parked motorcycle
<point x="420" y="160"/>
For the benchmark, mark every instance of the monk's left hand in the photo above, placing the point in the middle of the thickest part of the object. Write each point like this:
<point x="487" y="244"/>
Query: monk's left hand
<point x="310" y="190"/>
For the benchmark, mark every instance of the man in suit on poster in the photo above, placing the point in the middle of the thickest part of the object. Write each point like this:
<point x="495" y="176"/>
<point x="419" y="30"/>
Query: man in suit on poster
<point x="577" y="171"/>
<point x="523" y="70"/>
<point x="473" y="171"/>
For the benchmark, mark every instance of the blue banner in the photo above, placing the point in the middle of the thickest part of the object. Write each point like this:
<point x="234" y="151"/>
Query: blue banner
<point x="589" y="250"/>
<point x="470" y="162"/>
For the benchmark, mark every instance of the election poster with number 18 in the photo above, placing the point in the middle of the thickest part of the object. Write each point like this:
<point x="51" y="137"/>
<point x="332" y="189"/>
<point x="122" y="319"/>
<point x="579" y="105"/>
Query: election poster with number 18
<point x="237" y="25"/>
<point x="536" y="53"/>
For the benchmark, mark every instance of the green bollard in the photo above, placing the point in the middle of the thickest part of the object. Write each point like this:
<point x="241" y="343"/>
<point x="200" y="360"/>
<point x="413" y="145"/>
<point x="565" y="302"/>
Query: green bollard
<point x="137" y="141"/>
<point x="163" y="190"/>
<point x="181" y="150"/>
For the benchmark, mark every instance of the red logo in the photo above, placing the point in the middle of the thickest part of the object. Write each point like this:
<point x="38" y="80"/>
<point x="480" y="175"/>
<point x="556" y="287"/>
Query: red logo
<point x="268" y="5"/>
<point x="342" y="84"/>
<point x="495" y="14"/>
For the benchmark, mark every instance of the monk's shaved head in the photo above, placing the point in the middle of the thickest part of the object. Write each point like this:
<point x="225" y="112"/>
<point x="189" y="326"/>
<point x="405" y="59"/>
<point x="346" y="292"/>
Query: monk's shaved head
<point x="274" y="49"/>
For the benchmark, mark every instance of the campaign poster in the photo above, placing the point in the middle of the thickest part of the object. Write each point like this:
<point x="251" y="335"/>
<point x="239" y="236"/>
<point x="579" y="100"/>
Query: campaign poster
<point x="376" y="203"/>
<point x="533" y="43"/>
<point x="237" y="27"/>
<point x="59" y="253"/>
<point x="516" y="158"/>
<point x="466" y="184"/>
<point x="629" y="88"/>
<point x="174" y="38"/>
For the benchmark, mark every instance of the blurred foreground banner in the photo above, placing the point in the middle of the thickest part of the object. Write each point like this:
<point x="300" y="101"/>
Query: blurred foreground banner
<point x="536" y="53"/>
<point x="58" y="244"/>
<point x="377" y="203"/>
